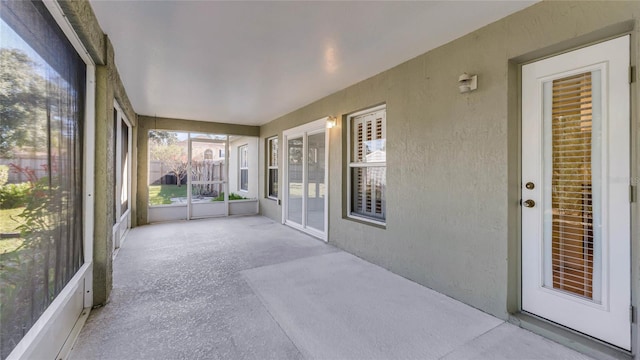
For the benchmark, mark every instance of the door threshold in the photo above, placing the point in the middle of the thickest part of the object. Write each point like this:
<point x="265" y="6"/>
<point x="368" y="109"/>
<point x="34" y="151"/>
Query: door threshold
<point x="313" y="233"/>
<point x="570" y="338"/>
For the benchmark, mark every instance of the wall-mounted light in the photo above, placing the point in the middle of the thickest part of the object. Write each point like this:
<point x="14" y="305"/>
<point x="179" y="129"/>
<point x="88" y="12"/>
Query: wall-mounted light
<point x="467" y="83"/>
<point x="331" y="122"/>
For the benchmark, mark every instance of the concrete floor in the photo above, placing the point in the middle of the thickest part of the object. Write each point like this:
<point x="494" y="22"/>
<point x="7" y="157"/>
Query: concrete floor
<point x="249" y="288"/>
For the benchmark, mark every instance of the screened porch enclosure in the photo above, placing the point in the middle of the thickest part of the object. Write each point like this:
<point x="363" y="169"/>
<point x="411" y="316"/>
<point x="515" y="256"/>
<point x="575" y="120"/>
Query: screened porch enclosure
<point x="199" y="175"/>
<point x="43" y="82"/>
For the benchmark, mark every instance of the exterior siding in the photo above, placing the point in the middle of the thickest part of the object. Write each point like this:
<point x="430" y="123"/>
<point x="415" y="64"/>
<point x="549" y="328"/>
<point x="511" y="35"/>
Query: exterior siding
<point x="453" y="159"/>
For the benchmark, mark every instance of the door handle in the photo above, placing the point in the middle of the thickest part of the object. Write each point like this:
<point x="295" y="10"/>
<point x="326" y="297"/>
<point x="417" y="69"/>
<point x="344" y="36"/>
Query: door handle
<point x="529" y="203"/>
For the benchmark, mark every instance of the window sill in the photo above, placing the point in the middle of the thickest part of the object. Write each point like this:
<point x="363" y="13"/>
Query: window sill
<point x="367" y="221"/>
<point x="167" y="205"/>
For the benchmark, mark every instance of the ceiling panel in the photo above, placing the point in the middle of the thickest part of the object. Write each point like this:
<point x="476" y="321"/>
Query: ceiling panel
<point x="251" y="62"/>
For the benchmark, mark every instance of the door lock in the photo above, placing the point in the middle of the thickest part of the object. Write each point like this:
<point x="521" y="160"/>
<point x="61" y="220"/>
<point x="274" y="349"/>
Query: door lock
<point x="529" y="203"/>
<point x="530" y="185"/>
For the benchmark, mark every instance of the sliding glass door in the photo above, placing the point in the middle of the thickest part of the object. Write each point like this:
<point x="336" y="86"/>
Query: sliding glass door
<point x="305" y="200"/>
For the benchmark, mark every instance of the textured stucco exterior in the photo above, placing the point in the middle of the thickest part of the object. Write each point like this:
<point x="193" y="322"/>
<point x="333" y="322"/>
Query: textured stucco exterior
<point x="109" y="87"/>
<point x="146" y="123"/>
<point x="453" y="159"/>
<point x="234" y="166"/>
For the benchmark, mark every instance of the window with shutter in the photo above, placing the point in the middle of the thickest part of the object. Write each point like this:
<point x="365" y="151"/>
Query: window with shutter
<point x="272" y="167"/>
<point x="244" y="167"/>
<point x="367" y="164"/>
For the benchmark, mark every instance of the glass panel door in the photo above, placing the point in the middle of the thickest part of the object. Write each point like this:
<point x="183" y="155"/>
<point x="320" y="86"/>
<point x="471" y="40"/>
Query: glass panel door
<point x="305" y="159"/>
<point x="207" y="177"/>
<point x="295" y="179"/>
<point x="575" y="188"/>
<point x="316" y="189"/>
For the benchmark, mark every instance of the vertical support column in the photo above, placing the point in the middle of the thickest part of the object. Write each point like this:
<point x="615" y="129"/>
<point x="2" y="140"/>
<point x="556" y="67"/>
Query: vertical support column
<point x="104" y="170"/>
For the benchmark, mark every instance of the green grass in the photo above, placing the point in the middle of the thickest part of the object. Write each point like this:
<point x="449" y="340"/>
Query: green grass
<point x="162" y="194"/>
<point x="232" y="196"/>
<point x="8" y="225"/>
<point x="9" y="245"/>
<point x="9" y="220"/>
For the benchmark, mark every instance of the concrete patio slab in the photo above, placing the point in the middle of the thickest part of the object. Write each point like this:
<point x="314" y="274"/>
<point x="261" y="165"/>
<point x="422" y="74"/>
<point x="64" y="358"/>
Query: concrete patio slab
<point x="507" y="342"/>
<point x="250" y="288"/>
<point x="337" y="306"/>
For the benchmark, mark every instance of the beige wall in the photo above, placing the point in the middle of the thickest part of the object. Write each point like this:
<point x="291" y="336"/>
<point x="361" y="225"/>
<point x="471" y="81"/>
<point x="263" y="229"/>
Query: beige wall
<point x="453" y="159"/>
<point x="146" y="123"/>
<point x="234" y="177"/>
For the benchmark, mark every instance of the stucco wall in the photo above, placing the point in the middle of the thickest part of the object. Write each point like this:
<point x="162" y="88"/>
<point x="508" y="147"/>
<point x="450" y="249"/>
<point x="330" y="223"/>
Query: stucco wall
<point x="453" y="176"/>
<point x="234" y="170"/>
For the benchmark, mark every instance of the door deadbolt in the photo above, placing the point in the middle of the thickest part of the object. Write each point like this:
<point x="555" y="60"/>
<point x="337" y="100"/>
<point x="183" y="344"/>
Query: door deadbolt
<point x="529" y="203"/>
<point x="530" y="185"/>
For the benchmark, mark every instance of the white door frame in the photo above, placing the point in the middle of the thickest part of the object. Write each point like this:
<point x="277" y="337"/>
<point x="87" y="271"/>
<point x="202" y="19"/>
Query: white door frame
<point x="122" y="219"/>
<point x="225" y="182"/>
<point x="607" y="317"/>
<point x="312" y="128"/>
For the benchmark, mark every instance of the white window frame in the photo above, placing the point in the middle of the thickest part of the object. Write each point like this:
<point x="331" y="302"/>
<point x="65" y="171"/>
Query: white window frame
<point x="304" y="131"/>
<point x="123" y="219"/>
<point x="271" y="166"/>
<point x="243" y="151"/>
<point x="51" y="333"/>
<point x="351" y="164"/>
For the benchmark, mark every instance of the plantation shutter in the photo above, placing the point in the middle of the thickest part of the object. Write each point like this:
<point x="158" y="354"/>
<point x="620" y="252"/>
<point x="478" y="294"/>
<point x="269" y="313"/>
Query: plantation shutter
<point x="369" y="164"/>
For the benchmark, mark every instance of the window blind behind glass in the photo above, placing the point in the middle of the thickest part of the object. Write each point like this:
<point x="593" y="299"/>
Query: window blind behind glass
<point x="572" y="237"/>
<point x="369" y="148"/>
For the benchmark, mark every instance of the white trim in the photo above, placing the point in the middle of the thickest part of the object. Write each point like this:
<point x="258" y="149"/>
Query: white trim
<point x="365" y="165"/>
<point x="226" y="178"/>
<point x="89" y="175"/>
<point x="327" y="135"/>
<point x="311" y="128"/>
<point x="271" y="167"/>
<point x="366" y="219"/>
<point x="241" y="148"/>
<point x="67" y="29"/>
<point x="369" y="110"/>
<point x="606" y="318"/>
<point x="65" y="352"/>
<point x="351" y="165"/>
<point x="40" y="335"/>
<point x="48" y="334"/>
<point x="118" y="159"/>
<point x="167" y="205"/>
<point x="117" y="235"/>
<point x="190" y="182"/>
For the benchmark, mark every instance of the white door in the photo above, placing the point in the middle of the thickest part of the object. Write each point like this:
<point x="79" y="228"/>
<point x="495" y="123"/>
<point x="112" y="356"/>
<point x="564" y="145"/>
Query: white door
<point x="207" y="176"/>
<point x="575" y="190"/>
<point x="305" y="189"/>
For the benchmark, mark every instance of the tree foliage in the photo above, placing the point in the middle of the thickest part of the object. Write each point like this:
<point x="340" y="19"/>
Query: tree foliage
<point x="22" y="103"/>
<point x="164" y="147"/>
<point x="160" y="137"/>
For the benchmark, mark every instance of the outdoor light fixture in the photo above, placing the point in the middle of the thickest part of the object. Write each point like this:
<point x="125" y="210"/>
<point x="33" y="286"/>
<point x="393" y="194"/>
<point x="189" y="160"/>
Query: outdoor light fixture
<point x="467" y="83"/>
<point x="331" y="122"/>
